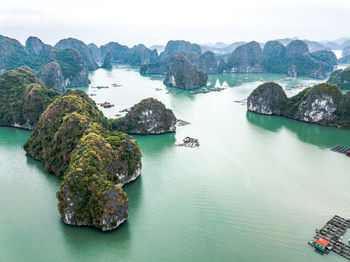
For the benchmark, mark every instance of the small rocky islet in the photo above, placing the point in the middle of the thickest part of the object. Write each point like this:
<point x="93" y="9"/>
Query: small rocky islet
<point x="149" y="116"/>
<point x="183" y="74"/>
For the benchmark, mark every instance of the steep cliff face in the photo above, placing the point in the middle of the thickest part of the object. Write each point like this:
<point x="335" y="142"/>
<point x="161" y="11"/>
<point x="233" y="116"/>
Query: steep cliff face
<point x="82" y="48"/>
<point x="207" y="63"/>
<point x="183" y="74"/>
<point x="221" y="66"/>
<point x="141" y="55"/>
<point x="268" y="99"/>
<point x="22" y="99"/>
<point x="301" y="62"/>
<point x="96" y="53"/>
<point x="180" y="47"/>
<point x="73" y="140"/>
<point x="13" y="54"/>
<point x="341" y="78"/>
<point x="149" y="116"/>
<point x="275" y="57"/>
<point x="322" y="104"/>
<point x="326" y="61"/>
<point x="107" y="61"/>
<point x="294" y="60"/>
<point x="297" y="48"/>
<point x="119" y="53"/>
<point x="36" y="47"/>
<point x="74" y="70"/>
<point x="158" y="68"/>
<point x="318" y="105"/>
<point x="52" y="77"/>
<point x="247" y="58"/>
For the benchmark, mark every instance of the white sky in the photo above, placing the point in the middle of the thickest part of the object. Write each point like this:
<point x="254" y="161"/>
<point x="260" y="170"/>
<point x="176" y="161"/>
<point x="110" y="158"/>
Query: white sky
<point x="157" y="21"/>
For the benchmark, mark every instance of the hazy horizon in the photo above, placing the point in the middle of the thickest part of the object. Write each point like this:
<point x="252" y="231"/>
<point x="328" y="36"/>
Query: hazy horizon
<point x="155" y="22"/>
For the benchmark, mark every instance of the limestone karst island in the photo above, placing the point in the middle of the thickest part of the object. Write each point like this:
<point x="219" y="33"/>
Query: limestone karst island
<point x="153" y="131"/>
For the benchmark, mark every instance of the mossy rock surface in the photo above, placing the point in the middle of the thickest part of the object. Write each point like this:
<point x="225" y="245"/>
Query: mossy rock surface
<point x="341" y="78"/>
<point x="149" y="116"/>
<point x="23" y="98"/>
<point x="74" y="141"/>
<point x="267" y="98"/>
<point x="323" y="104"/>
<point x="183" y="74"/>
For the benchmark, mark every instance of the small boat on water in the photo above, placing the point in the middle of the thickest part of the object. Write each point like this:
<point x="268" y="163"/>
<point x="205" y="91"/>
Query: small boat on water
<point x="106" y="105"/>
<point x="225" y="85"/>
<point x="124" y="110"/>
<point x="217" y="83"/>
<point x="99" y="87"/>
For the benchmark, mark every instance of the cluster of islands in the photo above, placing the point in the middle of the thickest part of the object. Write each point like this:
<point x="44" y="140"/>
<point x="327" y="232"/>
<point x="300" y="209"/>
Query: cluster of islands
<point x="96" y="156"/>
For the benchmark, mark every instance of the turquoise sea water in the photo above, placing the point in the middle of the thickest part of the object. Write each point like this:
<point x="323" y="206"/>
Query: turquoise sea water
<point x="255" y="190"/>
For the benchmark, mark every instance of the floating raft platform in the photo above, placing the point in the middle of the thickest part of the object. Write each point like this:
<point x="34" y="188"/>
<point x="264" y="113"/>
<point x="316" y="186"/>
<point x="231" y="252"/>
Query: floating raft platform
<point x="332" y="233"/>
<point x="342" y="149"/>
<point x="189" y="142"/>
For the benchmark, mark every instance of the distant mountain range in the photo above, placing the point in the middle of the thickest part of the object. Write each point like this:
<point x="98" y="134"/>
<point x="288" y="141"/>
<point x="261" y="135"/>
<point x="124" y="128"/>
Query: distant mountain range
<point x="72" y="58"/>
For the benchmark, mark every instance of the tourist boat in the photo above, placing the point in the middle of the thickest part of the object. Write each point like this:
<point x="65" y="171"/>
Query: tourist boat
<point x="106" y="105"/>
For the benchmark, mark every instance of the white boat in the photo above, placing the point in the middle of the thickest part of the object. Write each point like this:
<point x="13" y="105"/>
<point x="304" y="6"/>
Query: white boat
<point x="217" y="83"/>
<point x="225" y="85"/>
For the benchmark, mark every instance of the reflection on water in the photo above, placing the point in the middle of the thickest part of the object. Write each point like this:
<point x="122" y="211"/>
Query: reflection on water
<point x="306" y="132"/>
<point x="155" y="144"/>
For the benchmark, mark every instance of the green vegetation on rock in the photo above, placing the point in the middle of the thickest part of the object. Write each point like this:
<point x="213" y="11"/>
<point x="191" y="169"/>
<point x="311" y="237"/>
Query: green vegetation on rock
<point x="74" y="141"/>
<point x="323" y="104"/>
<point x="149" y="116"/>
<point x="341" y="78"/>
<point x="22" y="98"/>
<point x="36" y="55"/>
<point x="72" y="65"/>
<point x="82" y="48"/>
<point x="183" y="74"/>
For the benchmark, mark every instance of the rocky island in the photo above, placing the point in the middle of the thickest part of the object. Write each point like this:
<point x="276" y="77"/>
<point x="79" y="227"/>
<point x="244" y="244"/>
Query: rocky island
<point x="23" y="98"/>
<point x="322" y="104"/>
<point x="107" y="61"/>
<point x="247" y="58"/>
<point x="74" y="141"/>
<point x="38" y="56"/>
<point x="183" y="74"/>
<point x="341" y="78"/>
<point x="207" y="63"/>
<point x="149" y="116"/>
<point x="294" y="59"/>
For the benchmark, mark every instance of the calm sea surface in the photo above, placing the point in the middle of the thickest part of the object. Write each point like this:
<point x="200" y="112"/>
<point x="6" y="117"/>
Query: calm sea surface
<point x="255" y="190"/>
